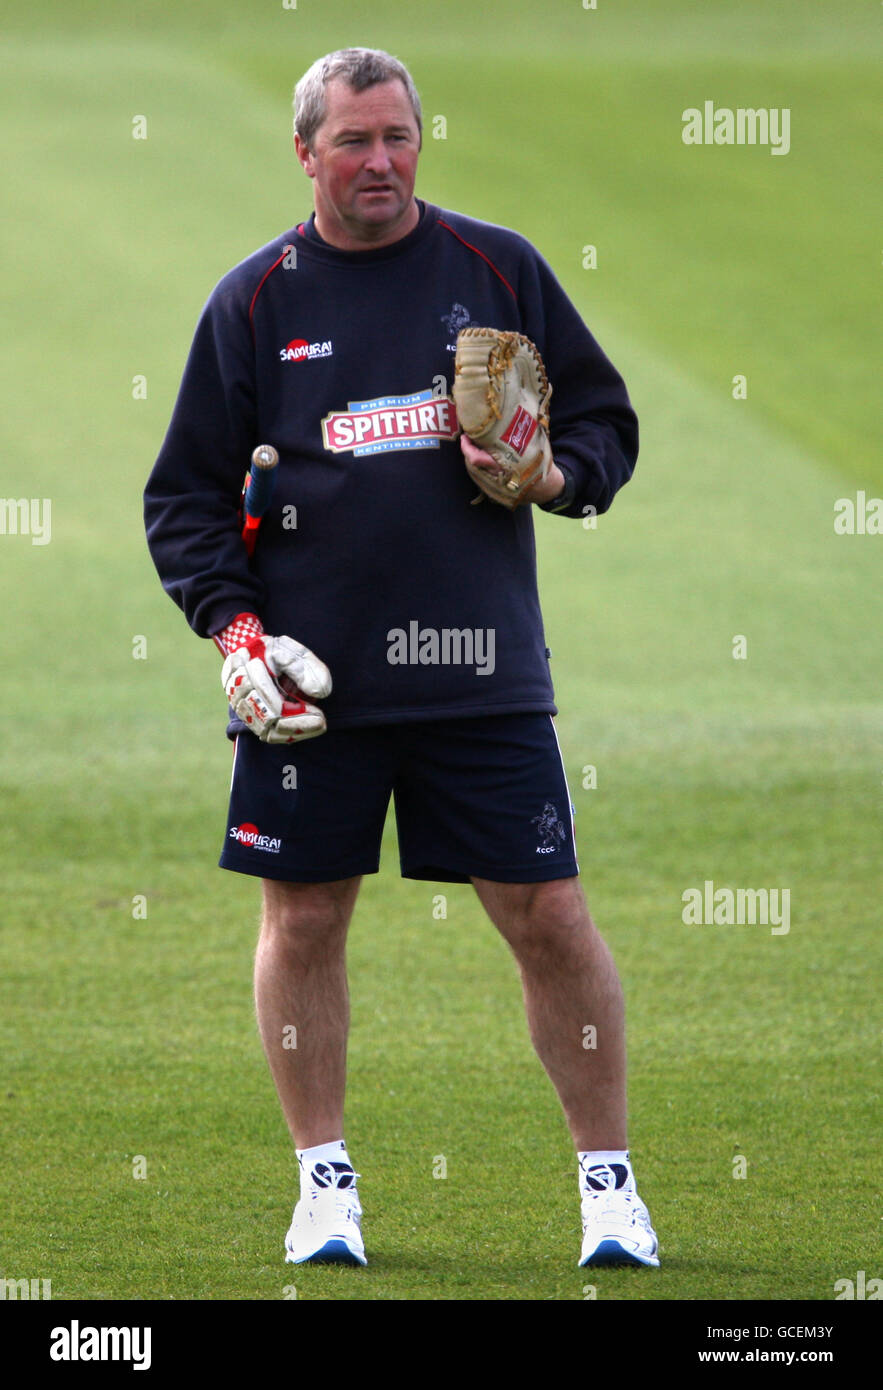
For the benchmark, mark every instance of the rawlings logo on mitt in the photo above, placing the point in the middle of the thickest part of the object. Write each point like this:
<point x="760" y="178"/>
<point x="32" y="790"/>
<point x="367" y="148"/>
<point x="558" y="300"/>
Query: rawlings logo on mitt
<point x="502" y="394"/>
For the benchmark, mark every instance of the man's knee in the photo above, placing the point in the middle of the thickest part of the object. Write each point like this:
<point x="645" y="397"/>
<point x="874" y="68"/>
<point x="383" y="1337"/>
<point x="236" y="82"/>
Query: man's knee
<point x="538" y="917"/>
<point x="308" y="913"/>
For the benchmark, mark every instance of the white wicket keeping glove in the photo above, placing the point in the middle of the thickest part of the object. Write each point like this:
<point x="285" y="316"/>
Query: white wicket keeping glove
<point x="266" y="680"/>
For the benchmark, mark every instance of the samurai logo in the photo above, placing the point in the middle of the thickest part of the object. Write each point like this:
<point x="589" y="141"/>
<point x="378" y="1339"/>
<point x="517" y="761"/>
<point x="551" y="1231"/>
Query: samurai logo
<point x="550" y="829"/>
<point x="249" y="835"/>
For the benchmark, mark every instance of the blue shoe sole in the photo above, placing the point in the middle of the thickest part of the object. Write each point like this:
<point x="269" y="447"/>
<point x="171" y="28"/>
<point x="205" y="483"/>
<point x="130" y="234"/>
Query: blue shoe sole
<point x="610" y="1252"/>
<point x="333" y="1252"/>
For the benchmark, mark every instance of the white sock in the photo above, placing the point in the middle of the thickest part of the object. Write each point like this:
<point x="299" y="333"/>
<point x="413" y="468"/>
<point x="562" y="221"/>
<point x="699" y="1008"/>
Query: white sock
<point x="604" y="1168"/>
<point x="320" y="1164"/>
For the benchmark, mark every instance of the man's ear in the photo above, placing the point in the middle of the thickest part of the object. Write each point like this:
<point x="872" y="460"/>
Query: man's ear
<point x="304" y="157"/>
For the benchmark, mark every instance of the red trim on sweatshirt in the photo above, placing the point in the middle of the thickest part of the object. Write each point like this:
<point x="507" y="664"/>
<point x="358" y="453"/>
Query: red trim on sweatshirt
<point x="264" y="278"/>
<point x="448" y="228"/>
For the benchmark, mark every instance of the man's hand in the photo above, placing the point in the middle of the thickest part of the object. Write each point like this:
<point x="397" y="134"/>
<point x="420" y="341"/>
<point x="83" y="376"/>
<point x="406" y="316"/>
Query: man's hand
<point x="544" y="490"/>
<point x="266" y="680"/>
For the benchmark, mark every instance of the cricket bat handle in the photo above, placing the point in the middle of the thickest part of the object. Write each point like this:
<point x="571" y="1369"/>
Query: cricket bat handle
<point x="258" y="492"/>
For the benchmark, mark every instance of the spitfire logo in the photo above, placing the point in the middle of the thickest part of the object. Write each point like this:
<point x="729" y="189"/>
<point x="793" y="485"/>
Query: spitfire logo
<point x="603" y="1176"/>
<point x="550" y="829"/>
<point x="418" y="421"/>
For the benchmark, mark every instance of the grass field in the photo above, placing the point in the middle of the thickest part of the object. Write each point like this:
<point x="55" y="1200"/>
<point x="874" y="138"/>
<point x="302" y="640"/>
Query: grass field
<point x="126" y="1036"/>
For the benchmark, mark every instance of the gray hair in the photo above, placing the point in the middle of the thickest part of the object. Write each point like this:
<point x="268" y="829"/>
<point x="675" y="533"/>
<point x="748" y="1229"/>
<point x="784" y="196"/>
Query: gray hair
<point x="360" y="68"/>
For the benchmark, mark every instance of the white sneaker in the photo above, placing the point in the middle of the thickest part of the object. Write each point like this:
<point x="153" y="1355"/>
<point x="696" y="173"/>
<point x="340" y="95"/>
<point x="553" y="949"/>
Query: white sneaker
<point x="617" y="1230"/>
<point x="326" y="1225"/>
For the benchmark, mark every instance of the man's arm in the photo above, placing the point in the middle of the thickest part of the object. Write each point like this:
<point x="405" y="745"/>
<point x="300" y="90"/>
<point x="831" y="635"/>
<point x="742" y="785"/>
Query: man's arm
<point x="593" y="428"/>
<point x="192" y="498"/>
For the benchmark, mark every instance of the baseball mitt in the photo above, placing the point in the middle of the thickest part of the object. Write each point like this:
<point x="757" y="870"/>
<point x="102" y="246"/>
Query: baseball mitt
<point x="502" y="393"/>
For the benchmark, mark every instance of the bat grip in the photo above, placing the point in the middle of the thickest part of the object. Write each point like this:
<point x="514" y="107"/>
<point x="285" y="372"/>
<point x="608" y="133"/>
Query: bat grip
<point x="259" y="491"/>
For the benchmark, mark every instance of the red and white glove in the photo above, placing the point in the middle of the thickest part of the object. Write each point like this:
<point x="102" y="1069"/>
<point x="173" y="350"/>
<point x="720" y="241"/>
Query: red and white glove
<point x="266" y="680"/>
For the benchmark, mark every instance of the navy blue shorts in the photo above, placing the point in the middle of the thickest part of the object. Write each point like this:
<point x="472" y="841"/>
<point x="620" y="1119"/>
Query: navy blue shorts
<point x="473" y="797"/>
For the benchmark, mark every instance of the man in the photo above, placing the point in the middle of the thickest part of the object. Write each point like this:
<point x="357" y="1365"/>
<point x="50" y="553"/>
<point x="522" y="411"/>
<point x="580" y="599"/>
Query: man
<point x="415" y="620"/>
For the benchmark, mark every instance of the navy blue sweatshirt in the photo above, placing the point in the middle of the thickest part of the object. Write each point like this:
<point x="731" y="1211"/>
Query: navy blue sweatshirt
<point x="421" y="605"/>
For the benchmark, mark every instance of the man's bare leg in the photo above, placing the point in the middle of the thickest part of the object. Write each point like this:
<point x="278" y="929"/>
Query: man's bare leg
<point x="570" y="984"/>
<point x="572" y="996"/>
<point x="300" y="983"/>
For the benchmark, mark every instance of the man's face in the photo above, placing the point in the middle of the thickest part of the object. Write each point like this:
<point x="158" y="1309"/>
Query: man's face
<point x="363" y="165"/>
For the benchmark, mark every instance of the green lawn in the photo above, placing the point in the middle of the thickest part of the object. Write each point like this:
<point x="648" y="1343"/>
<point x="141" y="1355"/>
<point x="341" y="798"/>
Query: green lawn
<point x="128" y="1036"/>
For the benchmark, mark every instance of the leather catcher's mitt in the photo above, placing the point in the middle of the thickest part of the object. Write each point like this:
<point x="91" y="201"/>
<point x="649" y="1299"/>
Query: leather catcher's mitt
<point x="502" y="393"/>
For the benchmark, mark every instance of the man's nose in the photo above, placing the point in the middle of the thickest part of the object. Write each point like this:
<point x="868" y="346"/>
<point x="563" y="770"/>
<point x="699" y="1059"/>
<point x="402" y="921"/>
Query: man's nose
<point x="378" y="160"/>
